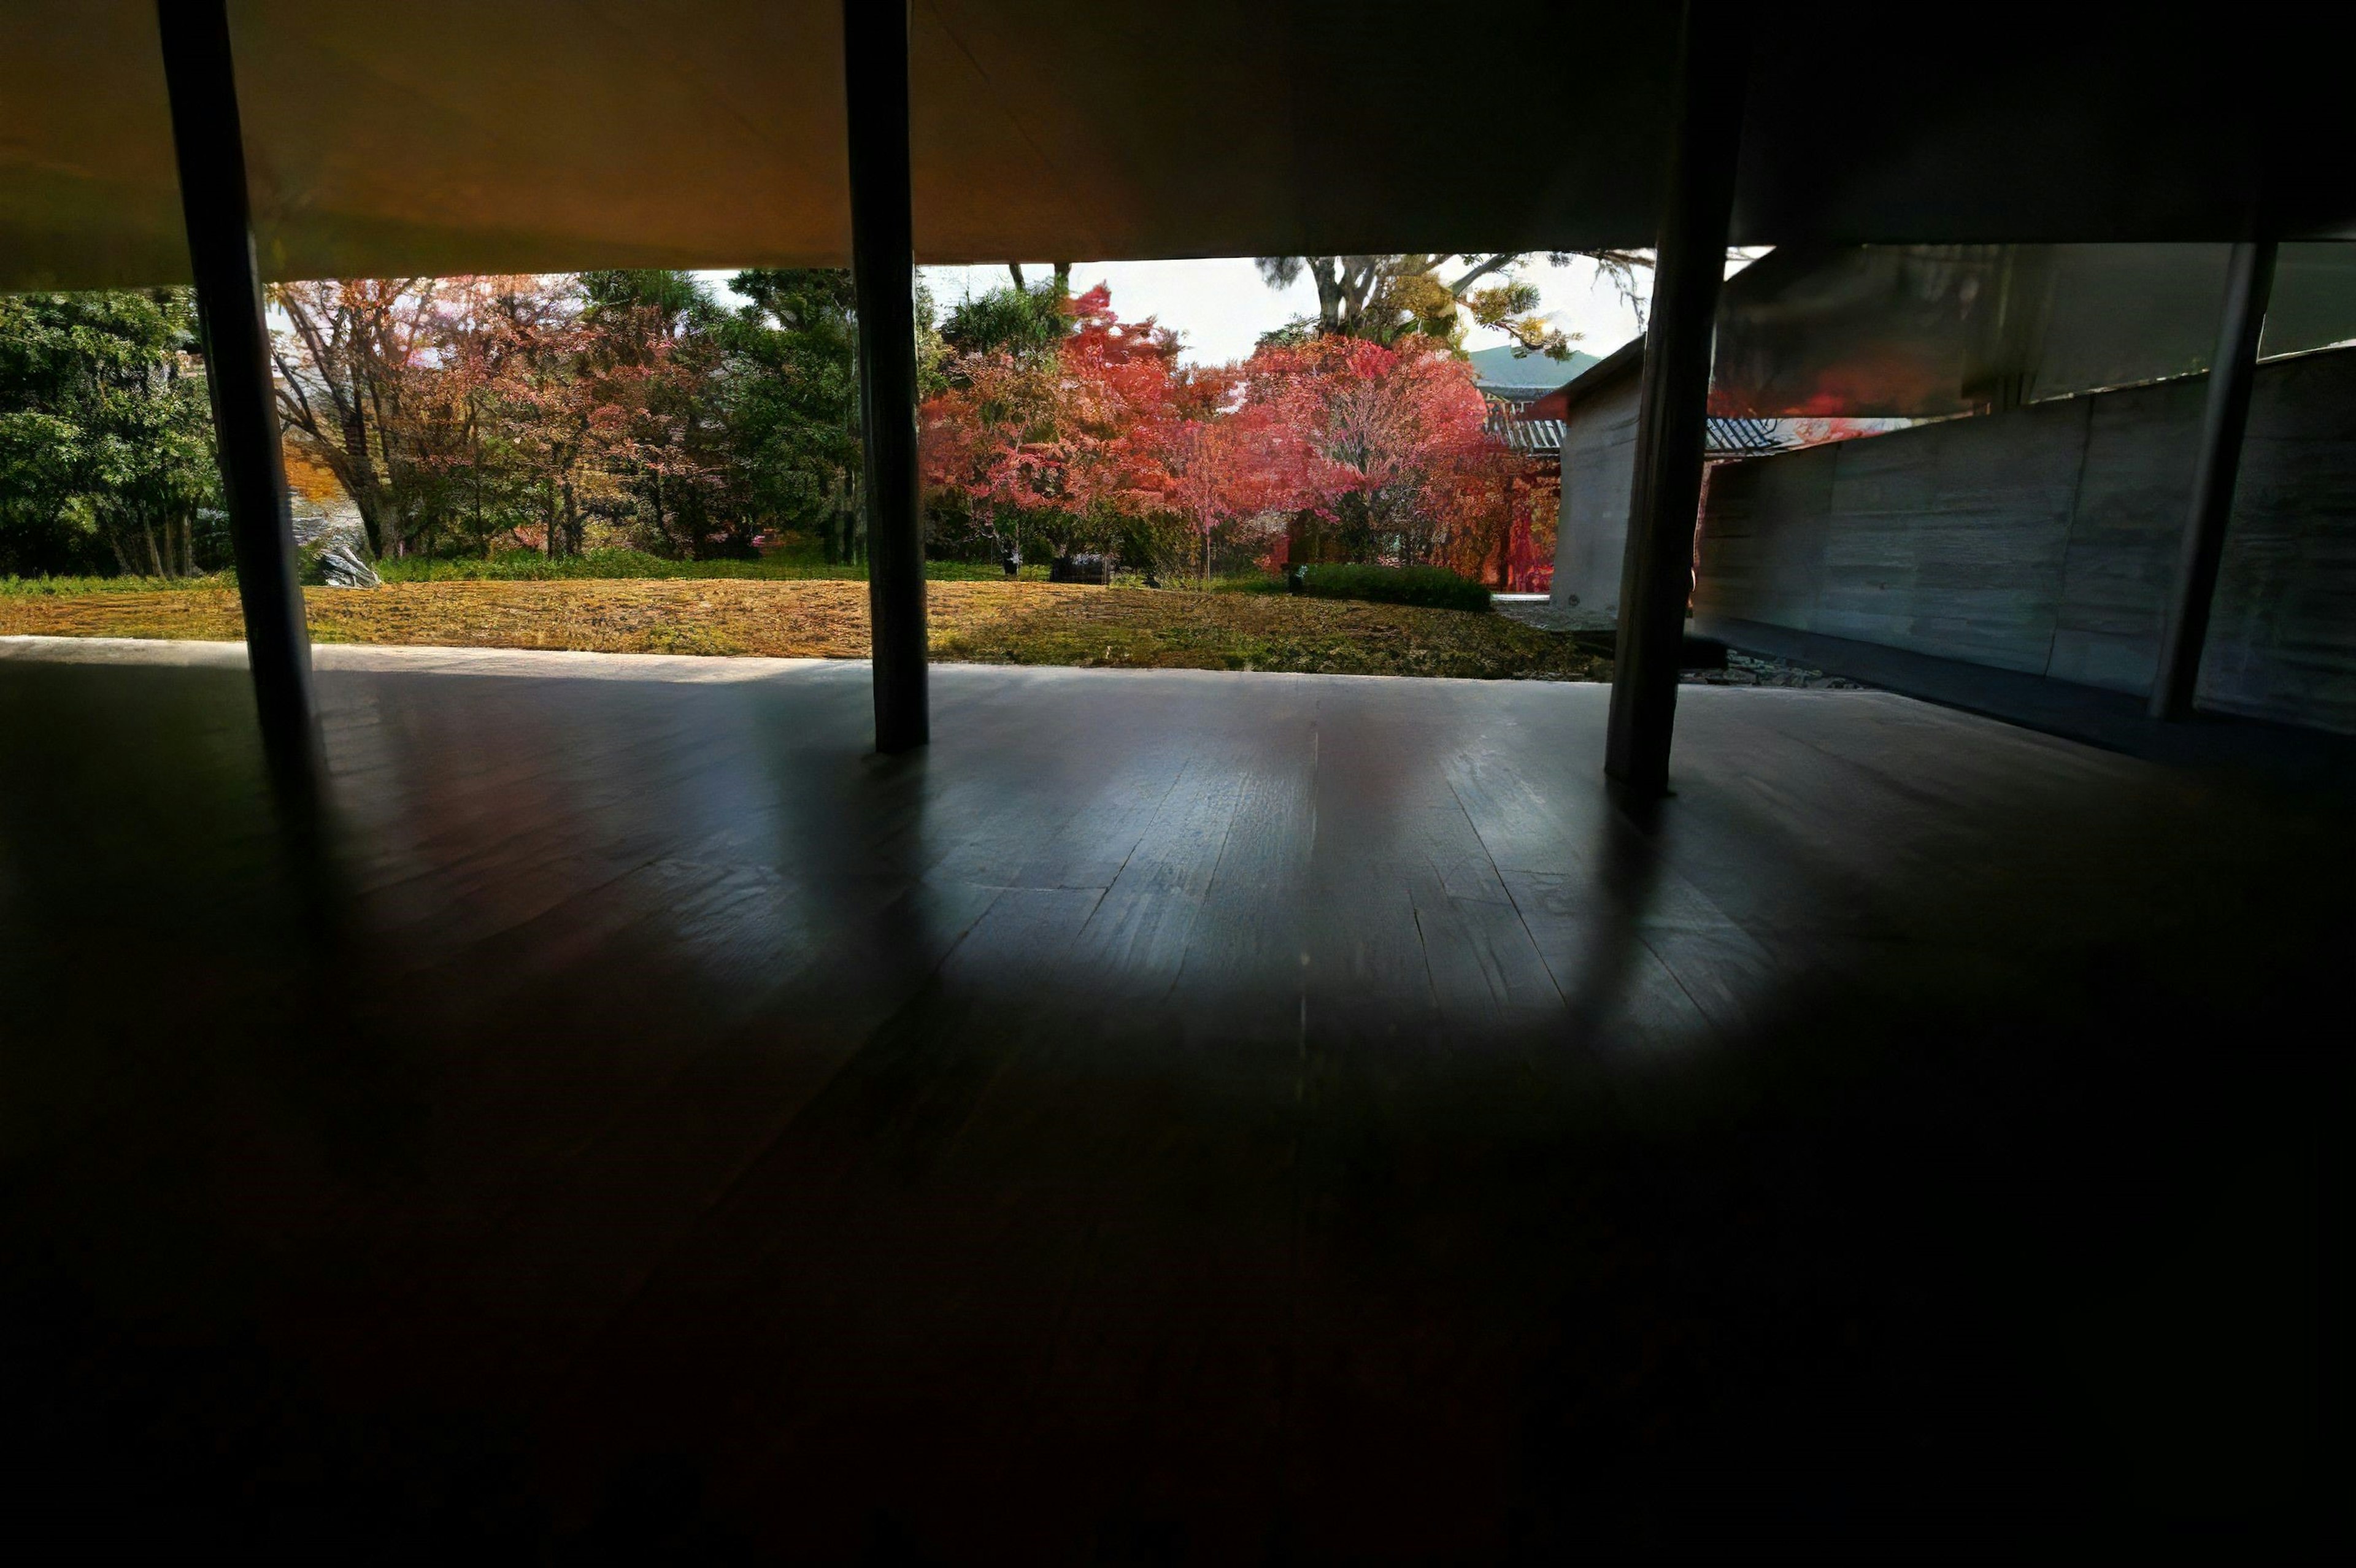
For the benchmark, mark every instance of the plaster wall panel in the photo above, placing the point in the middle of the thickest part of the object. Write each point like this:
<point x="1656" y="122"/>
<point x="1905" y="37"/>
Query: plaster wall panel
<point x="2046" y="540"/>
<point x="2120" y="571"/>
<point x="1598" y="470"/>
<point x="2282" y="634"/>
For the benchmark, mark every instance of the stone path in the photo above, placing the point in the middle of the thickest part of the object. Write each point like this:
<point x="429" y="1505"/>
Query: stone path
<point x="1741" y="669"/>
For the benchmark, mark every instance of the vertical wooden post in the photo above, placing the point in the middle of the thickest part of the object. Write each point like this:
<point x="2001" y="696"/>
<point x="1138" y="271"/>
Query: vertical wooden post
<point x="211" y="145"/>
<point x="2249" y="281"/>
<point x="883" y="262"/>
<point x="1656" y="575"/>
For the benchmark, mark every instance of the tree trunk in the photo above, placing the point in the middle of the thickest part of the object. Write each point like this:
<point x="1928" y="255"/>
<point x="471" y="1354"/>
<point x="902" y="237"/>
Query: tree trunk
<point x="397" y="521"/>
<point x="147" y="532"/>
<point x="572" y="521"/>
<point x="1327" y="271"/>
<point x="363" y="480"/>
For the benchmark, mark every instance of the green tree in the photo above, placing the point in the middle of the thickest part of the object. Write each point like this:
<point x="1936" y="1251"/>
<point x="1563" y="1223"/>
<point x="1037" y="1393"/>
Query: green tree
<point x="1025" y="318"/>
<point x="792" y="402"/>
<point x="789" y="388"/>
<point x="106" y="443"/>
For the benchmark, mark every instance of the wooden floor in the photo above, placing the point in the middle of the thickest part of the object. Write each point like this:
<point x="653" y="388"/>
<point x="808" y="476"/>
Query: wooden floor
<point x="1178" y="1118"/>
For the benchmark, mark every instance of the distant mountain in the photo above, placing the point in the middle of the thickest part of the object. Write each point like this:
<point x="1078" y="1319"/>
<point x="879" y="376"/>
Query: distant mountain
<point x="1499" y="368"/>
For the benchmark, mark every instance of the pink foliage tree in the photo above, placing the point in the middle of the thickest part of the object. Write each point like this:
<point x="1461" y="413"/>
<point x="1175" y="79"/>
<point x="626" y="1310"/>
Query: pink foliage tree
<point x="1406" y="470"/>
<point x="1368" y="451"/>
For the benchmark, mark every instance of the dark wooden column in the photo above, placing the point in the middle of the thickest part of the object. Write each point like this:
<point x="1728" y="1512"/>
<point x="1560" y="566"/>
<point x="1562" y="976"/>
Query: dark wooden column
<point x="212" y="148"/>
<point x="2249" y="280"/>
<point x="882" y="263"/>
<point x="1656" y="576"/>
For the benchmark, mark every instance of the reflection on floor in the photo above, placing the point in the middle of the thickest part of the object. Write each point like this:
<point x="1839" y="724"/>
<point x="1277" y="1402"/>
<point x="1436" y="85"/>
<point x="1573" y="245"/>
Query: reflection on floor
<point x="1179" y="1117"/>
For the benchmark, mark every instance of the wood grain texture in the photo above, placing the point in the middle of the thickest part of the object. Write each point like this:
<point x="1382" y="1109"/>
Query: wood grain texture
<point x="1178" y="1117"/>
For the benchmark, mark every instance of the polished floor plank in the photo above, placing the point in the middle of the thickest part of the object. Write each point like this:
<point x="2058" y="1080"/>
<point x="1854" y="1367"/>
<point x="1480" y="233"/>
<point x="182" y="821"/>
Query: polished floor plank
<point x="1177" y="1117"/>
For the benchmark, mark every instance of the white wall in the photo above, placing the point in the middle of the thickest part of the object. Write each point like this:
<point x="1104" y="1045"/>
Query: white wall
<point x="2045" y="540"/>
<point x="1599" y="468"/>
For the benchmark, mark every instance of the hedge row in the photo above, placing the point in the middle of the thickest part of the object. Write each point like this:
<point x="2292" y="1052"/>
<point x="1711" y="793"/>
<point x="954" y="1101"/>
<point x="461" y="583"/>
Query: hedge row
<point x="1431" y="587"/>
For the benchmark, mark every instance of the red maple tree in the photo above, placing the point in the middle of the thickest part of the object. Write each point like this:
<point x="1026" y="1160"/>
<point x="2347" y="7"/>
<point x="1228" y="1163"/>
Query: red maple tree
<point x="1408" y="472"/>
<point x="1349" y="448"/>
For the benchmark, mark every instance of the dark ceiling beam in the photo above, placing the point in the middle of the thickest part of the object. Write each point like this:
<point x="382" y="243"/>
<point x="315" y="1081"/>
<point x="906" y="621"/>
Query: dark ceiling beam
<point x="210" y="151"/>
<point x="1208" y="128"/>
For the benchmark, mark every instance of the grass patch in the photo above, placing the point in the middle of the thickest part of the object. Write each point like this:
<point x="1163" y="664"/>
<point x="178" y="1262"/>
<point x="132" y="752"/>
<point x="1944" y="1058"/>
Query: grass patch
<point x="631" y="565"/>
<point x="1120" y="628"/>
<point x="531" y="566"/>
<point x="975" y="622"/>
<point x="61" y="587"/>
<point x="1226" y="582"/>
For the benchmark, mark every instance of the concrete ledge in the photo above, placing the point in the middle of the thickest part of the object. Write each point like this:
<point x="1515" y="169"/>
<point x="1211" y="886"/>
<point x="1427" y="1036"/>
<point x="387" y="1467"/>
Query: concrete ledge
<point x="2110" y="720"/>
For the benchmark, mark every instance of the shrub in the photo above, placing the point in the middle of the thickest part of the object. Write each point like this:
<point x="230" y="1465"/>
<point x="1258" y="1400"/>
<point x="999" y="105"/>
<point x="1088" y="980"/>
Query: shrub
<point x="527" y="565"/>
<point x="59" y="587"/>
<point x="1232" y="582"/>
<point x="1431" y="587"/>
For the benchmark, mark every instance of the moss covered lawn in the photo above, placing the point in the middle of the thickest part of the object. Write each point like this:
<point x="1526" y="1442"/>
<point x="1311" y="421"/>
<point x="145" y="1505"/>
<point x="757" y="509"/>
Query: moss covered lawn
<point x="977" y="623"/>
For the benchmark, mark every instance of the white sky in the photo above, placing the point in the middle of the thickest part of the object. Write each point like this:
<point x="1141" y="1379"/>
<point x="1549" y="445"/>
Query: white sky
<point x="1220" y="307"/>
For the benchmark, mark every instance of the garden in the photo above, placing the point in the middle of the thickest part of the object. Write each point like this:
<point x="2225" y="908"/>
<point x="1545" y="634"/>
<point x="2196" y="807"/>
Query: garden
<point x="631" y="462"/>
<point x="774" y="610"/>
